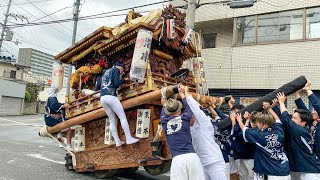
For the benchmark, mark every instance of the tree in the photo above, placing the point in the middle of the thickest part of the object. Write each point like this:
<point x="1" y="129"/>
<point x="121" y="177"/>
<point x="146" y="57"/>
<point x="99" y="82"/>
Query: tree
<point x="27" y="96"/>
<point x="34" y="90"/>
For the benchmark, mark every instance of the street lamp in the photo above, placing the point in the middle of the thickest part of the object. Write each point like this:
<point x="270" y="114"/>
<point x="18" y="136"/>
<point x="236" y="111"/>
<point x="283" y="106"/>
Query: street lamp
<point x="234" y="4"/>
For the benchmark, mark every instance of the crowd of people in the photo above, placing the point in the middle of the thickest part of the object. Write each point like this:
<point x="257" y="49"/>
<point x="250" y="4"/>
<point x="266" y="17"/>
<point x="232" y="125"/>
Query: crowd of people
<point x="271" y="144"/>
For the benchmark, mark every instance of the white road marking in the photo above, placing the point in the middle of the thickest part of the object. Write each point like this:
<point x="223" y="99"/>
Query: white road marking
<point x="39" y="156"/>
<point x="20" y="123"/>
<point x="11" y="161"/>
<point x="34" y="119"/>
<point x="5" y="178"/>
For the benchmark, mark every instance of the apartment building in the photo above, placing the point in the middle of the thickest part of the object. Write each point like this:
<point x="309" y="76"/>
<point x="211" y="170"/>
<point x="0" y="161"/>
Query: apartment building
<point x="40" y="65"/>
<point x="249" y="52"/>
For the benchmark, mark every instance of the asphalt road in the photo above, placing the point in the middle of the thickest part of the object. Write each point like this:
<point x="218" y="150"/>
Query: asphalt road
<point x="26" y="156"/>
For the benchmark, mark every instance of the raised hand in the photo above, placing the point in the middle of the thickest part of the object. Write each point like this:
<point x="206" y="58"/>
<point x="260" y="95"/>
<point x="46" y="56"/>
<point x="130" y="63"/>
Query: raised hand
<point x="239" y="117"/>
<point x="246" y="115"/>
<point x="231" y="102"/>
<point x="181" y="88"/>
<point x="266" y="105"/>
<point x="308" y="85"/>
<point x="66" y="105"/>
<point x="275" y="102"/>
<point x="233" y="118"/>
<point x="281" y="97"/>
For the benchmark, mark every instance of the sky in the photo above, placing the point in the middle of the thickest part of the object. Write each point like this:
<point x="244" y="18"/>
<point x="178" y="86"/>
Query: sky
<point x="55" y="38"/>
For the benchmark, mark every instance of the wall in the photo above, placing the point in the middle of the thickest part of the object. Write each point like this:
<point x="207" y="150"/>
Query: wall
<point x="219" y="11"/>
<point x="11" y="97"/>
<point x="30" y="108"/>
<point x="12" y="89"/>
<point x="33" y="108"/>
<point x="262" y="66"/>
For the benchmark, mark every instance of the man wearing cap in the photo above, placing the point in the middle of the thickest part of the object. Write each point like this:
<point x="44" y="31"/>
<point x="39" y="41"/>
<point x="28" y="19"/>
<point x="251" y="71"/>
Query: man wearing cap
<point x="203" y="140"/>
<point x="185" y="162"/>
<point x="111" y="80"/>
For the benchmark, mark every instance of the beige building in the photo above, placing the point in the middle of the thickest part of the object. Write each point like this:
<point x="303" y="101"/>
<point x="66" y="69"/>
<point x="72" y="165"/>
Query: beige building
<point x="12" y="89"/>
<point x="261" y="47"/>
<point x="249" y="52"/>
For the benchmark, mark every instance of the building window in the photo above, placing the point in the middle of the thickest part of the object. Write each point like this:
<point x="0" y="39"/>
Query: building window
<point x="313" y="23"/>
<point x="268" y="28"/>
<point x="246" y="30"/>
<point x="278" y="27"/>
<point x="291" y="25"/>
<point x="209" y="40"/>
<point x="13" y="74"/>
<point x="7" y="73"/>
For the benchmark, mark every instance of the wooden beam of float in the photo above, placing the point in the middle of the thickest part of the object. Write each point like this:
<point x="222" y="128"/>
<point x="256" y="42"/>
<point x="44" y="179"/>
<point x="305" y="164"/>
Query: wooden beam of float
<point x="129" y="103"/>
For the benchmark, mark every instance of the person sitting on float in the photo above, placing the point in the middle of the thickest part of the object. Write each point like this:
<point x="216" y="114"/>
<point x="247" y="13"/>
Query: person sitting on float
<point x="54" y="111"/>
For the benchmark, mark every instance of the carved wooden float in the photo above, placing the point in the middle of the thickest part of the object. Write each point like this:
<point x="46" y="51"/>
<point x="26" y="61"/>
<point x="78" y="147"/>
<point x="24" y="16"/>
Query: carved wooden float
<point x="94" y="149"/>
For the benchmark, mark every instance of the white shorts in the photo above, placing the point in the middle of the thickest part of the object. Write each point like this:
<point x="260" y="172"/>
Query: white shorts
<point x="245" y="169"/>
<point x="227" y="171"/>
<point x="215" y="171"/>
<point x="262" y="177"/>
<point x="309" y="176"/>
<point x="233" y="165"/>
<point x="186" y="166"/>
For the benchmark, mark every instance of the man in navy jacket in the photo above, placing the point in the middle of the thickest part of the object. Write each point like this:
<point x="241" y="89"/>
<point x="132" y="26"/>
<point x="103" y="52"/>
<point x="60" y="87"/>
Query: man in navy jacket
<point x="301" y="141"/>
<point x="110" y="82"/>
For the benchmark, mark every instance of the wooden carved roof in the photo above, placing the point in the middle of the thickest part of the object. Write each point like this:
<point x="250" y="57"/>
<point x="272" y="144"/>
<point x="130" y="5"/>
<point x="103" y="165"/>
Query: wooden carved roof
<point x="107" y="41"/>
<point x="83" y="45"/>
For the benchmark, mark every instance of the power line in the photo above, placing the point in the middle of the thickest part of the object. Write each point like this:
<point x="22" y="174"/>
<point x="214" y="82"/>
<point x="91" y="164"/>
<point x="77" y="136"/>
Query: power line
<point x="125" y="9"/>
<point x="133" y="3"/>
<point x="62" y="20"/>
<point x="7" y="45"/>
<point x="95" y="16"/>
<point x="35" y="44"/>
<point x="51" y="17"/>
<point x="68" y="20"/>
<point x="6" y="50"/>
<point x="36" y="17"/>
<point x="43" y="3"/>
<point x="53" y="13"/>
<point x="52" y="50"/>
<point x="28" y="3"/>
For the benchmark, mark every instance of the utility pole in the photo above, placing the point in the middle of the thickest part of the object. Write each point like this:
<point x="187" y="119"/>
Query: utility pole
<point x="4" y="25"/>
<point x="74" y="34"/>
<point x="191" y="13"/>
